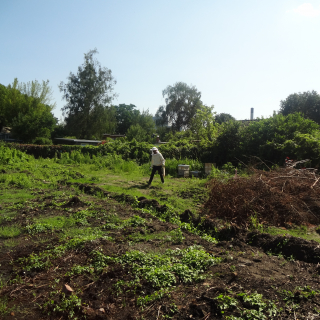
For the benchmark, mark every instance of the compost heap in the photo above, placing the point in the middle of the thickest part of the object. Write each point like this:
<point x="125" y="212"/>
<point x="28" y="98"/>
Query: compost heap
<point x="277" y="197"/>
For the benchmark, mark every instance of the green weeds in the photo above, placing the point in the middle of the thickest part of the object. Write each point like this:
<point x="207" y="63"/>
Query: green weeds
<point x="160" y="270"/>
<point x="4" y="309"/>
<point x="9" y="232"/>
<point x="156" y="295"/>
<point x="299" y="294"/>
<point x="249" y="306"/>
<point x="65" y="305"/>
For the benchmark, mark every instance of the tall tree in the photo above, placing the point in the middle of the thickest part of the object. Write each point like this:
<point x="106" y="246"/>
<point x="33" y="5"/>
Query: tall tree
<point x="89" y="94"/>
<point x="182" y="103"/>
<point x="308" y="103"/>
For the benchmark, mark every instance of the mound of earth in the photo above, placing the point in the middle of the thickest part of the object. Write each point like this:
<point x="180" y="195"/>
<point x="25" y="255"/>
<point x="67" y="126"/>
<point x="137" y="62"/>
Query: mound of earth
<point x="278" y="197"/>
<point x="74" y="202"/>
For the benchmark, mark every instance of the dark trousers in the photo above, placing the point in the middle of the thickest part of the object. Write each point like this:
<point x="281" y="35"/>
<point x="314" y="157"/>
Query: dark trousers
<point x="154" y="169"/>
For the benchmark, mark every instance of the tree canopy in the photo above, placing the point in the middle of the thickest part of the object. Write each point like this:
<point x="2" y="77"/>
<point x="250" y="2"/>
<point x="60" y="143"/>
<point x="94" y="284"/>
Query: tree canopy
<point x="223" y="117"/>
<point x="182" y="103"/>
<point x="88" y="94"/>
<point x="203" y="123"/>
<point x="126" y="115"/>
<point x="40" y="91"/>
<point x="308" y="103"/>
<point x="133" y="123"/>
<point x="26" y="112"/>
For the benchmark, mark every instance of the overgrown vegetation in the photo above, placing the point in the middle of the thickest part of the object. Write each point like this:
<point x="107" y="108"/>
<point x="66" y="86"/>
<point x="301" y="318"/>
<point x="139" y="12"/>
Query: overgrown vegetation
<point x="76" y="236"/>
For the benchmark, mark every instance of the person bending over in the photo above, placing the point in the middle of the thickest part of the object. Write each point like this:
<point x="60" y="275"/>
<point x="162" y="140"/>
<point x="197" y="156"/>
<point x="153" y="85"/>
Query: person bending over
<point x="157" y="162"/>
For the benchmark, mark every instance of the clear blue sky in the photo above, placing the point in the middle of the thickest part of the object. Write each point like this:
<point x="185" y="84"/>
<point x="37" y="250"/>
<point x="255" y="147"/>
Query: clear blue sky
<point x="239" y="54"/>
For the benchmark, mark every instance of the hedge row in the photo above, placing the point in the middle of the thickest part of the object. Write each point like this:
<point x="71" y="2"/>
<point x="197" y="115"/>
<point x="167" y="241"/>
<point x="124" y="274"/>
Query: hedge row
<point x="133" y="150"/>
<point x="128" y="150"/>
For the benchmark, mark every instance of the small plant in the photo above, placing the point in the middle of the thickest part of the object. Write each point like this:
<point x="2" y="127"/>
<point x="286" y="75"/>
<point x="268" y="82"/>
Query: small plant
<point x="77" y="270"/>
<point x="65" y="305"/>
<point x="176" y="236"/>
<point x="135" y="221"/>
<point x="4" y="309"/>
<point x="38" y="228"/>
<point x="254" y="223"/>
<point x="226" y="302"/>
<point x="156" y="295"/>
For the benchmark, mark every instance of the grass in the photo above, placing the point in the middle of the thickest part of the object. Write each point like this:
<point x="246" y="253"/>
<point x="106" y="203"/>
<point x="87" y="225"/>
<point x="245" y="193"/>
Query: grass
<point x="13" y="196"/>
<point x="300" y="232"/>
<point x="10" y="243"/>
<point x="76" y="232"/>
<point x="9" y="232"/>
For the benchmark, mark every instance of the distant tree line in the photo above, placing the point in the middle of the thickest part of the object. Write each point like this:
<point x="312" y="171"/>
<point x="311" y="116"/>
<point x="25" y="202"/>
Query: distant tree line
<point x="89" y="112"/>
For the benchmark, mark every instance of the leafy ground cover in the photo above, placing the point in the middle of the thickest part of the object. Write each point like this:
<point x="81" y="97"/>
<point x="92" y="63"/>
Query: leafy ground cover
<point x="90" y="242"/>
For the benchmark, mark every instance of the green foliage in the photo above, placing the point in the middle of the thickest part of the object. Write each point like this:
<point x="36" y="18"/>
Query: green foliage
<point x="268" y="138"/>
<point x="156" y="295"/>
<point x="68" y="305"/>
<point x="12" y="156"/>
<point x="135" y="221"/>
<point x="24" y="108"/>
<point x="226" y="302"/>
<point x="57" y="223"/>
<point x="135" y="124"/>
<point x="182" y="104"/>
<point x="308" y="103"/>
<point x="203" y="124"/>
<point x="42" y="141"/>
<point x="138" y="133"/>
<point x="4" y="309"/>
<point x="227" y="143"/>
<point x="21" y="180"/>
<point x="253" y="306"/>
<point x="60" y="303"/>
<point x="223" y="117"/>
<point x="9" y="231"/>
<point x="27" y="113"/>
<point x="159" y="270"/>
<point x="299" y="293"/>
<point x="176" y="236"/>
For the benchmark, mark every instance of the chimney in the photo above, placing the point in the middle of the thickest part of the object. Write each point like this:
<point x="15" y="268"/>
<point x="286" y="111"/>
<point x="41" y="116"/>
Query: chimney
<point x="251" y="114"/>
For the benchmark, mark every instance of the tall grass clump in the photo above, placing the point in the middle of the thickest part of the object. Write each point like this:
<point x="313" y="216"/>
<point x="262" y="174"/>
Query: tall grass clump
<point x="75" y="157"/>
<point x="12" y="156"/>
<point x="18" y="180"/>
<point x="9" y="232"/>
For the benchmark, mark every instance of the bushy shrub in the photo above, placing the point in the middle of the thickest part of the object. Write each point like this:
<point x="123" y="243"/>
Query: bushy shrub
<point x="42" y="141"/>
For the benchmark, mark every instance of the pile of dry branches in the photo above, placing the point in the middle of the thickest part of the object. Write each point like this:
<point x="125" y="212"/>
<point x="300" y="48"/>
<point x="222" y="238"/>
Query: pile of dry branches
<point x="276" y="197"/>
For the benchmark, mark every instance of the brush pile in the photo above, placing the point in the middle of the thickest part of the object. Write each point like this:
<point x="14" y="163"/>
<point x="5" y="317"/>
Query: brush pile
<point x="277" y="197"/>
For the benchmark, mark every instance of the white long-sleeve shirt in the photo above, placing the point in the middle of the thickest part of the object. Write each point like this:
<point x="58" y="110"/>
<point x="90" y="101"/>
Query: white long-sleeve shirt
<point x="157" y="159"/>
